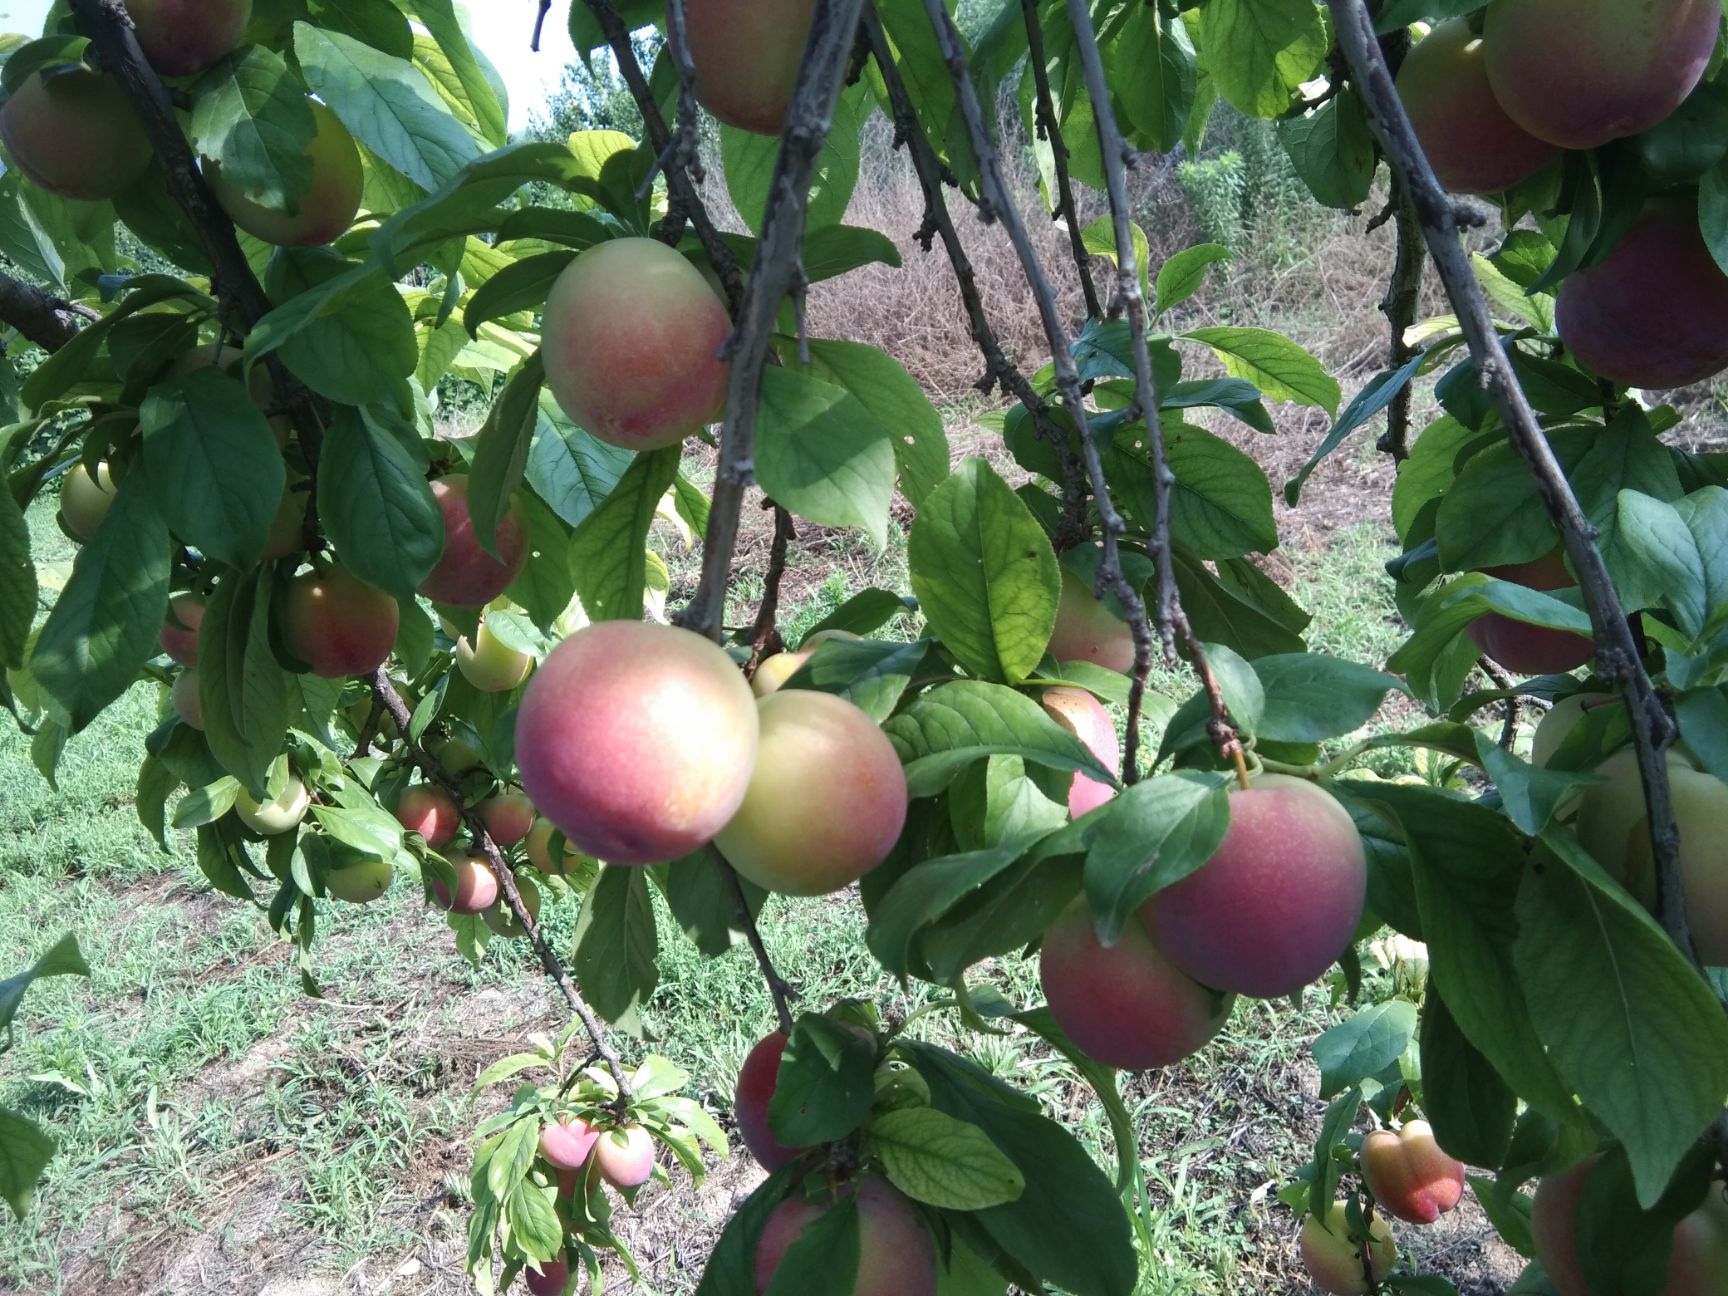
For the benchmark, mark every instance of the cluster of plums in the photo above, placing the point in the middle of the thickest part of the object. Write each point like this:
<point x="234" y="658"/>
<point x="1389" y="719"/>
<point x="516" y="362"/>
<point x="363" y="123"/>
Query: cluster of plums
<point x="1494" y="100"/>
<point x="578" y="1151"/>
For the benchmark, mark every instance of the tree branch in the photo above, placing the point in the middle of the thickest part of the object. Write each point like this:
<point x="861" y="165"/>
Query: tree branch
<point x="774" y="273"/>
<point x="1617" y="651"/>
<point x="48" y="321"/>
<point x="1403" y="297"/>
<point x="778" y="986"/>
<point x="1051" y="131"/>
<point x="765" y="633"/>
<point x="384" y="695"/>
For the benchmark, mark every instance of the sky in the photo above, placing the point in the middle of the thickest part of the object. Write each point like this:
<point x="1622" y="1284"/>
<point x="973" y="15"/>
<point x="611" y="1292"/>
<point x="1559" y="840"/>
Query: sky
<point x="501" y="28"/>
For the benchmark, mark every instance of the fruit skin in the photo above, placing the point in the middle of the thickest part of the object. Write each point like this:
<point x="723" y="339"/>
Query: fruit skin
<point x="632" y="334"/>
<point x="827" y="800"/>
<point x="466" y="575"/>
<point x="1531" y="649"/>
<point x="551" y="1280"/>
<point x="431" y="812"/>
<point x="1334" y="1262"/>
<point x="327" y="207"/>
<point x="1654" y="312"/>
<point x="1696" y="1265"/>
<point x="508" y="816"/>
<point x="1579" y="73"/>
<point x="773" y="672"/>
<point x="85" y="500"/>
<point x="538" y="847"/>
<point x="362" y="882"/>
<point x="1084" y="716"/>
<point x="567" y="1141"/>
<point x="275" y="816"/>
<point x="184" y="37"/>
<point x="188" y="705"/>
<point x="502" y="920"/>
<point x="1475" y="148"/>
<point x="337" y="625"/>
<point x="179" y="636"/>
<point x="895" y="1255"/>
<point x="476" y="885"/>
<point x="625" y="1156"/>
<point x="1409" y="1174"/>
<point x="1086" y="630"/>
<point x="75" y="134"/>
<point x="756" y="1080"/>
<point x="490" y="665"/>
<point x="1128" y="1006"/>
<point x="746" y="55"/>
<point x="1279" y="900"/>
<point x="637" y="740"/>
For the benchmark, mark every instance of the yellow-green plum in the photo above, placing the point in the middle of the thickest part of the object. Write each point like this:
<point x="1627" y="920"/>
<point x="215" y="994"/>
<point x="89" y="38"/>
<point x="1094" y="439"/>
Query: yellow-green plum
<point x="502" y="919"/>
<point x="508" y="816"/>
<point x="188" y="705"/>
<point x="1409" y="1173"/>
<point x="1084" y="716"/>
<point x="1579" y="73"/>
<point x="567" y="1141"/>
<point x="1473" y="145"/>
<point x="1562" y="718"/>
<point x="1697" y="1263"/>
<point x="74" y="133"/>
<point x="895" y="1254"/>
<point x="625" y="1156"/>
<point x="746" y="55"/>
<point x="757" y="1079"/>
<point x="1087" y="630"/>
<point x="1335" y="1260"/>
<point x="179" y="636"/>
<point x="361" y="882"/>
<point x="476" y="888"/>
<point x="826" y="802"/>
<point x="1276" y="903"/>
<point x="184" y="37"/>
<point x="338" y="625"/>
<point x="1532" y="649"/>
<point x="1126" y="1005"/>
<point x="632" y="335"/>
<point x="489" y="664"/>
<point x="538" y="847"/>
<point x="326" y="208"/>
<point x="85" y="499"/>
<point x="277" y="815"/>
<point x="773" y="672"/>
<point x="430" y="811"/>
<point x="637" y="740"/>
<point x="466" y="575"/>
<point x="1653" y="313"/>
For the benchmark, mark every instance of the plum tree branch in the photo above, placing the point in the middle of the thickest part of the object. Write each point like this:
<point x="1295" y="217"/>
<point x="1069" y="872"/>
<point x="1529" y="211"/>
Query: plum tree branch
<point x="780" y="988"/>
<point x="1617" y="651"/>
<point x="1403" y="297"/>
<point x="46" y="320"/>
<point x="765" y="633"/>
<point x="774" y="273"/>
<point x="384" y="695"/>
<point x="1051" y="131"/>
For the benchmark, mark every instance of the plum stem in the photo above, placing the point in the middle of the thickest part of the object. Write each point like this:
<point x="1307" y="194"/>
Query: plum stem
<point x="384" y="695"/>
<point x="1617" y="650"/>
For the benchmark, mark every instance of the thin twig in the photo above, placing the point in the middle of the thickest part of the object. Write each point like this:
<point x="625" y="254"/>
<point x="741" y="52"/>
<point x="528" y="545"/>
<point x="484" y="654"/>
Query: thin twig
<point x="684" y="148"/>
<point x="1403" y="297"/>
<point x="778" y="986"/>
<point x="772" y="276"/>
<point x="48" y="321"/>
<point x="384" y="693"/>
<point x="1051" y="131"/>
<point x="765" y="633"/>
<point x="539" y="25"/>
<point x="1617" y="650"/>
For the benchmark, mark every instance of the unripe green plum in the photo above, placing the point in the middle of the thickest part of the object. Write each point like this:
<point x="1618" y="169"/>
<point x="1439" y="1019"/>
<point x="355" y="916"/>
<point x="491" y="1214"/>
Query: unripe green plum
<point x="632" y="335"/>
<point x="179" y="636"/>
<point x="1277" y="902"/>
<point x="188" y="705"/>
<point x="491" y="665"/>
<point x="895" y="1254"/>
<point x="85" y="500"/>
<point x="1334" y="1259"/>
<point x="508" y="816"/>
<point x="1579" y="73"/>
<point x="1654" y="312"/>
<point x="1409" y="1174"/>
<point x="1562" y="718"/>
<point x="338" y="625"/>
<point x="74" y="133"/>
<point x="637" y="740"/>
<point x="826" y="802"/>
<point x="773" y="672"/>
<point x="455" y="754"/>
<point x="567" y="1141"/>
<point x="476" y="885"/>
<point x="1532" y="649"/>
<point x="184" y="37"/>
<point x="1084" y="716"/>
<point x="327" y="207"/>
<point x="625" y="1156"/>
<point x="361" y="882"/>
<point x="502" y="920"/>
<point x="279" y="814"/>
<point x="1697" y="1263"/>
<point x="538" y="848"/>
<point x="1475" y="148"/>
<point x="466" y="575"/>
<point x="1087" y="630"/>
<point x="746" y="55"/>
<point x="430" y="811"/>
<point x="1128" y="1005"/>
<point x="756" y="1081"/>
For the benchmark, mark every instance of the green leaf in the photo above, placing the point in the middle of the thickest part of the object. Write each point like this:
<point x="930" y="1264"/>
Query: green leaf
<point x="607" y="553"/>
<point x="1311" y="697"/>
<point x="24" y="1154"/>
<point x="701" y="901"/>
<point x="950" y="727"/>
<point x="375" y="505"/>
<point x="1244" y="697"/>
<point x="520" y="286"/>
<point x="731" y="1268"/>
<point x="1376" y="395"/>
<point x="569" y="468"/>
<point x="1628" y="1023"/>
<point x="616" y="946"/>
<point x="1530" y="795"/>
<point x="501" y="450"/>
<point x="1271" y="361"/>
<point x="896" y="401"/>
<point x="984" y="573"/>
<point x="1258" y="52"/>
<point x="63" y="958"/>
<point x="864" y="613"/>
<point x="871" y="674"/>
<point x="247" y="699"/>
<point x="1221" y="506"/>
<point x="251" y="114"/>
<point x="386" y="104"/>
<point x="1471" y="1107"/>
<point x="1180" y="277"/>
<point x="1364" y="1046"/>
<point x="1674" y="555"/>
<point x="351" y="338"/>
<point x="925" y="893"/>
<point x="17" y="583"/>
<point x="106" y="621"/>
<point x="1332" y="150"/>
<point x="823" y="1259"/>
<point x="1154" y="834"/>
<point x="941" y="1161"/>
<point x="1153" y="72"/>
<point x="821" y="453"/>
<point x="749" y="161"/>
<point x="824" y="1087"/>
<point x="439" y="19"/>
